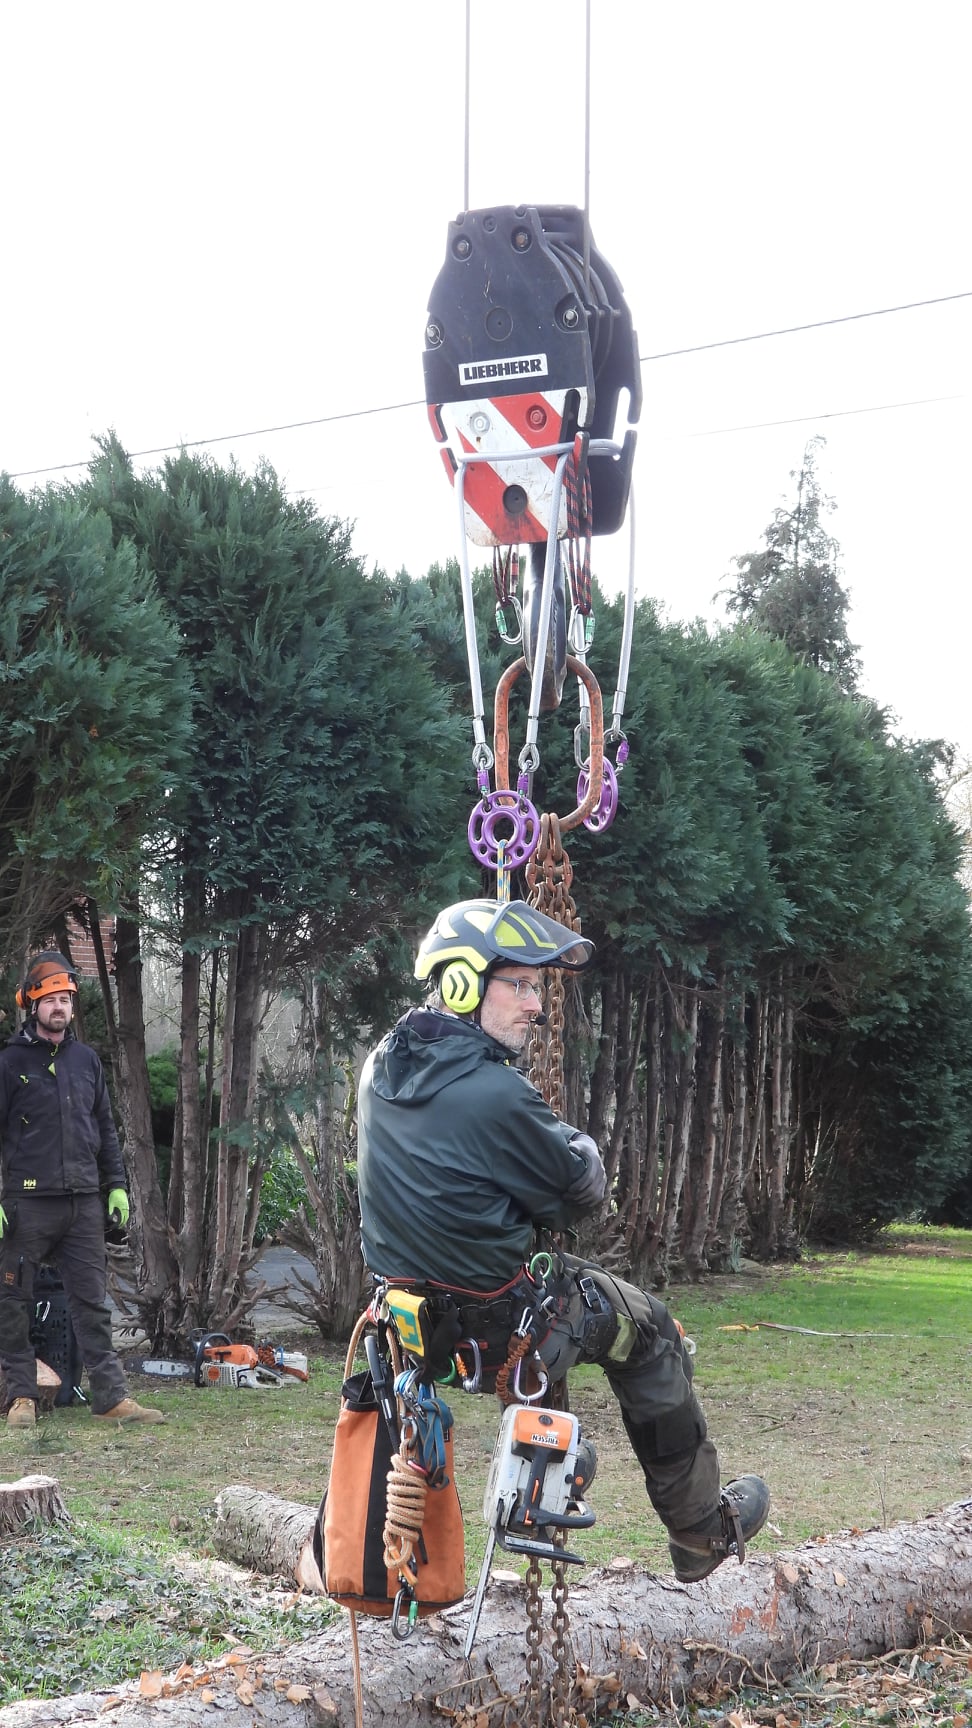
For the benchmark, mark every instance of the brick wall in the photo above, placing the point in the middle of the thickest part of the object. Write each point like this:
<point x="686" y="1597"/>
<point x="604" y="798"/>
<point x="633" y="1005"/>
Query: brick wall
<point x="82" y="947"/>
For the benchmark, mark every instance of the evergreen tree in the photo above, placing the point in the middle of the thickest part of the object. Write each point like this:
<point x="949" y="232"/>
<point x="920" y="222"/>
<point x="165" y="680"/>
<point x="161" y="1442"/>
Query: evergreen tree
<point x="307" y="818"/>
<point x="93" y="713"/>
<point x="792" y="588"/>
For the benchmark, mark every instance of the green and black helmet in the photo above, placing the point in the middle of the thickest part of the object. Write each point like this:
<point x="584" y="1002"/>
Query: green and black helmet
<point x="468" y="939"/>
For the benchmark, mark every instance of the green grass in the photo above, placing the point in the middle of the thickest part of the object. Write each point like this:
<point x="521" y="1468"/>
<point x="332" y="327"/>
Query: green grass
<point x="850" y="1431"/>
<point x="84" y="1608"/>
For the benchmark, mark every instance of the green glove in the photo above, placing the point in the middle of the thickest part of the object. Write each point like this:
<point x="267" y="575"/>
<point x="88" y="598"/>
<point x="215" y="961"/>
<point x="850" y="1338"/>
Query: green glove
<point x="118" y="1207"/>
<point x="3" y="1222"/>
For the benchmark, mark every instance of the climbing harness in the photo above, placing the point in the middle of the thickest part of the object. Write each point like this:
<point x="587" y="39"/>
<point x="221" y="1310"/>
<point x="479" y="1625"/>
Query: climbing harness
<point x="541" y="1464"/>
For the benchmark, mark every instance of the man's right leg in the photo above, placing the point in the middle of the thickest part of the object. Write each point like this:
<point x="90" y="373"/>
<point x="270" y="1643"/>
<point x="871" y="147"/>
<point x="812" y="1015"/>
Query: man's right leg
<point x="21" y="1251"/>
<point x="650" y="1373"/>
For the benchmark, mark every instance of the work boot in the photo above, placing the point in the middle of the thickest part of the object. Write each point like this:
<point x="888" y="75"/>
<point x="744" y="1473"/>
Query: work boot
<point x="741" y="1512"/>
<point x="128" y="1411"/>
<point x="21" y="1413"/>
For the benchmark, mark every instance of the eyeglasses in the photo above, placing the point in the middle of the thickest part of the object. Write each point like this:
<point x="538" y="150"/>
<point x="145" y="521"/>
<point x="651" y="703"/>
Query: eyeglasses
<point x="519" y="986"/>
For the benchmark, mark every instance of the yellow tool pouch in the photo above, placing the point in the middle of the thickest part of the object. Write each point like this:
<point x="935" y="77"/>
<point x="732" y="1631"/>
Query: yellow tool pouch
<point x="409" y="1313"/>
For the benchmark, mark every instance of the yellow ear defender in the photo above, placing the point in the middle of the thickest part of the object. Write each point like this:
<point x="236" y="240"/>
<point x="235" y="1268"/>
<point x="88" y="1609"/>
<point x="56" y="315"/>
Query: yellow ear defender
<point x="461" y="987"/>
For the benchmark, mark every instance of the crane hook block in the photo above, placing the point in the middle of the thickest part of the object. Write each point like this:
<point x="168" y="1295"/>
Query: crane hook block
<point x="529" y="342"/>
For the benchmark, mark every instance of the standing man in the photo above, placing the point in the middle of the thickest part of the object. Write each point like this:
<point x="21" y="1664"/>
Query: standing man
<point x="61" y="1179"/>
<point x="460" y="1160"/>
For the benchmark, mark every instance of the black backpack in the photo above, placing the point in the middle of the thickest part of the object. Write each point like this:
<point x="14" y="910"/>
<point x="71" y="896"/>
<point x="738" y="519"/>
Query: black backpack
<point x="52" y="1335"/>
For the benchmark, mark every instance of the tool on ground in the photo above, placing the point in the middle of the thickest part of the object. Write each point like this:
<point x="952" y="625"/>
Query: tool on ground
<point x="220" y="1362"/>
<point x="166" y="1367"/>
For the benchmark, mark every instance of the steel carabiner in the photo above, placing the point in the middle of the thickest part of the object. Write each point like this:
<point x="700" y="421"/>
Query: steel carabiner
<point x="405" y="1594"/>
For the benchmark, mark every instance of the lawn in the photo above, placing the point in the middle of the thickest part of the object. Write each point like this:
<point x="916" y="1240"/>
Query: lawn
<point x="845" y="1380"/>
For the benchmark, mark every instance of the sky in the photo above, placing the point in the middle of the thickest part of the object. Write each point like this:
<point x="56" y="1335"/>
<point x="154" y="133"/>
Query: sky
<point x="225" y="218"/>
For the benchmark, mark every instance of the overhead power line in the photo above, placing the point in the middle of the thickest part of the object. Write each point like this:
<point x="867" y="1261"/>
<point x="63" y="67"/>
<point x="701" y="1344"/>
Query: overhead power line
<point x="831" y="414"/>
<point x="645" y="359"/>
<point x="818" y="324"/>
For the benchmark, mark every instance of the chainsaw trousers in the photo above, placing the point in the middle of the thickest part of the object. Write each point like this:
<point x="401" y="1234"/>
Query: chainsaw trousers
<point x="633" y="1338"/>
<point x="66" y="1231"/>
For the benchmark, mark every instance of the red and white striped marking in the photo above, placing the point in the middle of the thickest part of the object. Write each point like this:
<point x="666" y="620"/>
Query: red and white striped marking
<point x="506" y="429"/>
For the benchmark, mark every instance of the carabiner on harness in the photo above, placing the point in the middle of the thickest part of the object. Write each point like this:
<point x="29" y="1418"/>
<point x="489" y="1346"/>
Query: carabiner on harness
<point x="406" y="1599"/>
<point x="428" y="1422"/>
<point x="534" y="1363"/>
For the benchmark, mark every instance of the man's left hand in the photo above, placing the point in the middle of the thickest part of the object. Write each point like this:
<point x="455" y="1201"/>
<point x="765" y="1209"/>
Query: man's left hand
<point x="590" y="1187"/>
<point x="118" y="1207"/>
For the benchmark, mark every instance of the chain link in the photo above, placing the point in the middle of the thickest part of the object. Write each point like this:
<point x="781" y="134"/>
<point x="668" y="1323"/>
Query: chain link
<point x="534" y="1634"/>
<point x="561" y="1683"/>
<point x="549" y="874"/>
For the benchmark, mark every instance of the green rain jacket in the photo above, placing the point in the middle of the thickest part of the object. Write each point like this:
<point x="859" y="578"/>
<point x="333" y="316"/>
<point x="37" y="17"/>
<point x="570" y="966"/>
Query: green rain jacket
<point x="458" y="1157"/>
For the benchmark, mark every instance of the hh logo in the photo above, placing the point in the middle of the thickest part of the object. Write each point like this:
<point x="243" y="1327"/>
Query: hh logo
<point x="30" y="1182"/>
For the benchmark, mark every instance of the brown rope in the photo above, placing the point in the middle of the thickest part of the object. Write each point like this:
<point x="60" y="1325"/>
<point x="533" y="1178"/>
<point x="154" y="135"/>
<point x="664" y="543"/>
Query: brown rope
<point x="407" y="1492"/>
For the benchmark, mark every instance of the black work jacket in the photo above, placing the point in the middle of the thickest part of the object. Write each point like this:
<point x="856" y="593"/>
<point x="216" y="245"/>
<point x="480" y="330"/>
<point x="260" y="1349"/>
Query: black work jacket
<point x="458" y="1157"/>
<point x="57" y="1134"/>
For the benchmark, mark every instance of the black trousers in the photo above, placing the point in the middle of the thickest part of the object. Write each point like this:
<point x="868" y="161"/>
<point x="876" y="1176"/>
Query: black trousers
<point x="68" y="1232"/>
<point x="633" y="1338"/>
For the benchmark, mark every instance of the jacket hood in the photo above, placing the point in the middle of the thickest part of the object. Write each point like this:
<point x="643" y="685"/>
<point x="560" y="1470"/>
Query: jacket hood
<point x="427" y="1051"/>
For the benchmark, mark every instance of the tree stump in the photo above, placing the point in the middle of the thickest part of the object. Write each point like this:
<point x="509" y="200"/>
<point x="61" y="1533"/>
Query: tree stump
<point x="32" y="1500"/>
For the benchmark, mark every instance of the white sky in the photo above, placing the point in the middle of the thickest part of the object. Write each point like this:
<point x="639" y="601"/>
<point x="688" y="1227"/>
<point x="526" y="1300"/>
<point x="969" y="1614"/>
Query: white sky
<point x="227" y="216"/>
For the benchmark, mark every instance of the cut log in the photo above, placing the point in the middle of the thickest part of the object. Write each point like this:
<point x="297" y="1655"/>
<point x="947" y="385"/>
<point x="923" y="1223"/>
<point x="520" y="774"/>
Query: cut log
<point x="48" y="1386"/>
<point x="267" y="1534"/>
<point x="32" y="1500"/>
<point x="632" y="1635"/>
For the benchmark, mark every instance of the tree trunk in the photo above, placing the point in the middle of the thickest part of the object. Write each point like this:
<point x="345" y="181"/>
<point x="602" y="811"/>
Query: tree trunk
<point x="271" y="1535"/>
<point x="32" y="1500"/>
<point x="635" y="1636"/>
<point x="699" y="1224"/>
<point x="154" y="1260"/>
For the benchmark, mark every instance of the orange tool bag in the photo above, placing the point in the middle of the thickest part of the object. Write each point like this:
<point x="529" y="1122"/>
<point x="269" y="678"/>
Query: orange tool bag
<point x="352" y="1531"/>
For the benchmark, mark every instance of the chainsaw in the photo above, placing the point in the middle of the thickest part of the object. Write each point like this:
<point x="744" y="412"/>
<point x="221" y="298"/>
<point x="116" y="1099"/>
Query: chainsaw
<point x="540" y="1468"/>
<point x="220" y="1362"/>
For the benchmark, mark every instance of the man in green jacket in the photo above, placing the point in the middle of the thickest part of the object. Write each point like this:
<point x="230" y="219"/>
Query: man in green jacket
<point x="460" y="1162"/>
<point x="63" y="1178"/>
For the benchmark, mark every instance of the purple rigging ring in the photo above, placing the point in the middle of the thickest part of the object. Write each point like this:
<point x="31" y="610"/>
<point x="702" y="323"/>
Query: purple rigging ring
<point x="605" y="809"/>
<point x="508" y="818"/>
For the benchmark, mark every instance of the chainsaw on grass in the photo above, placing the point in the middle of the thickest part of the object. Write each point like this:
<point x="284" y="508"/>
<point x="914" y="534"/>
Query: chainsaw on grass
<point x="220" y="1362"/>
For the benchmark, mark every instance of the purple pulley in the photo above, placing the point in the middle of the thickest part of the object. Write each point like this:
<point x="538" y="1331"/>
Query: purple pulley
<point x="605" y="809"/>
<point x="506" y="818"/>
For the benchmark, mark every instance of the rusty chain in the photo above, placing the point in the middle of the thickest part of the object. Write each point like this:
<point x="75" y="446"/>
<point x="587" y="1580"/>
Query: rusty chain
<point x="560" y="1685"/>
<point x="549" y="874"/>
<point x="534" y="1634"/>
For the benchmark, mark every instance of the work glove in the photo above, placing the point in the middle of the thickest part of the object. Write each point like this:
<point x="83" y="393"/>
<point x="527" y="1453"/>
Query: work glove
<point x="3" y="1223"/>
<point x="588" y="1189"/>
<point x="118" y="1207"/>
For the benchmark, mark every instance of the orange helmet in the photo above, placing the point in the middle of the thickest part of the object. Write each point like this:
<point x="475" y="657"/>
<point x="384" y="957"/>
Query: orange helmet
<point x="47" y="975"/>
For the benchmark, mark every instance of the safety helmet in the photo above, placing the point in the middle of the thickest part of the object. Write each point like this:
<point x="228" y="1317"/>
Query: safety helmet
<point x="47" y="975"/>
<point x="468" y="939"/>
